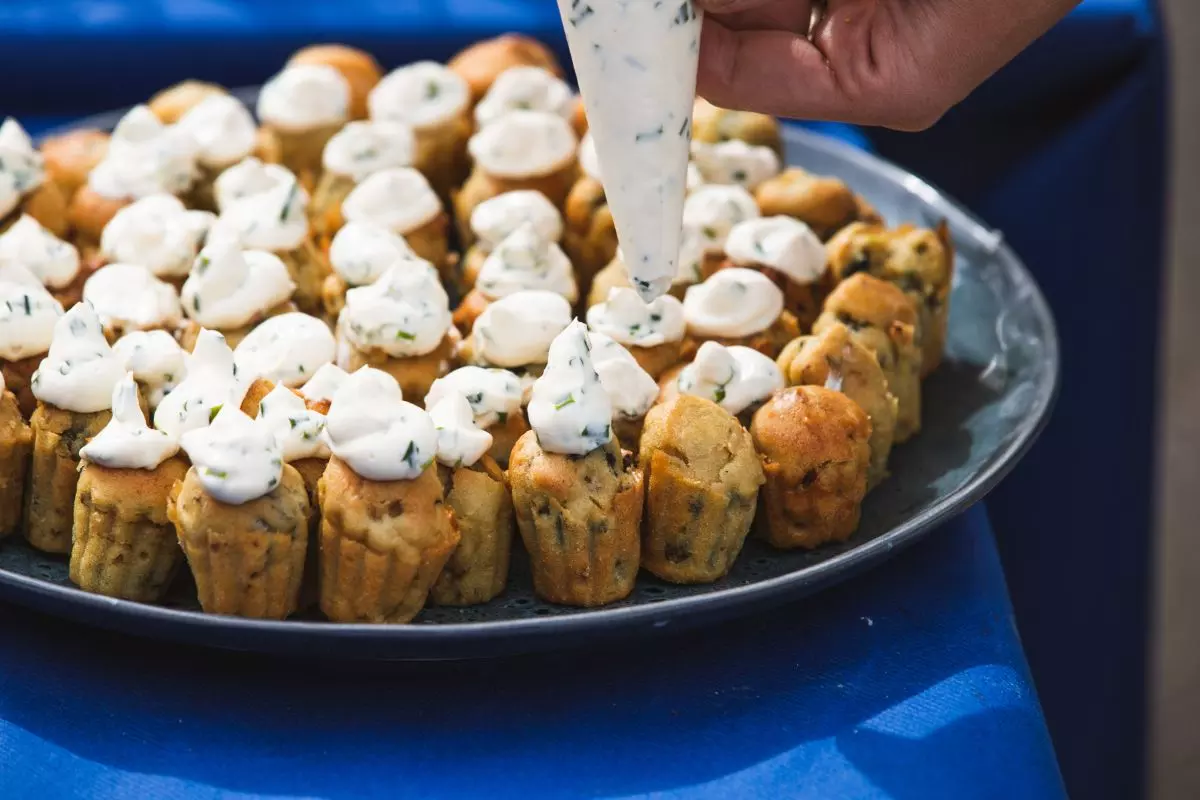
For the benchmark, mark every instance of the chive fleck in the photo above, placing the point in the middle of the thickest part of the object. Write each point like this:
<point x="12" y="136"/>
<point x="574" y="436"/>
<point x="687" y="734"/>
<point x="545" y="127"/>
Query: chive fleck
<point x="212" y="413"/>
<point x="561" y="404"/>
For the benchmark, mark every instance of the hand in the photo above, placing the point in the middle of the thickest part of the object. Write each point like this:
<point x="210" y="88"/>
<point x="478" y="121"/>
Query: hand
<point x="893" y="63"/>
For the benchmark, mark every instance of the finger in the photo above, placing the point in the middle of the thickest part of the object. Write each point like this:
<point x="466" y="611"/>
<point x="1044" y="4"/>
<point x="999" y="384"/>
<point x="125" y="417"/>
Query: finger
<point x="731" y="6"/>
<point x="793" y="16"/>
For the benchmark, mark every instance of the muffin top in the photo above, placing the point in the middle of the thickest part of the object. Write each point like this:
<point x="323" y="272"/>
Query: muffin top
<point x="398" y="199"/>
<point x="274" y="219"/>
<point x="303" y="97"/>
<point x="229" y="287"/>
<point x="784" y="244"/>
<point x="732" y="303"/>
<point x="377" y="434"/>
<point x="361" y="252"/>
<point x="524" y="144"/>
<point x="526" y="260"/>
<point x="221" y="129"/>
<point x="569" y="410"/>
<point x="127" y="442"/>
<point x="711" y="212"/>
<point x="627" y="319"/>
<point x="287" y="349"/>
<point x="516" y="331"/>
<point x="54" y="262"/>
<point x="734" y="378"/>
<point x="735" y="162"/>
<point x="144" y="157"/>
<point x="159" y="233"/>
<point x="405" y="313"/>
<point x="80" y="369"/>
<point x="363" y="148"/>
<point x="497" y="218"/>
<point x="424" y="95"/>
<point x="528" y="88"/>
<point x="236" y="459"/>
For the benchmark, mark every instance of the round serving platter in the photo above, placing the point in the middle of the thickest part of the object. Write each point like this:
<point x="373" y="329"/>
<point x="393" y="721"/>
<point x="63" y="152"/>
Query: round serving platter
<point x="982" y="410"/>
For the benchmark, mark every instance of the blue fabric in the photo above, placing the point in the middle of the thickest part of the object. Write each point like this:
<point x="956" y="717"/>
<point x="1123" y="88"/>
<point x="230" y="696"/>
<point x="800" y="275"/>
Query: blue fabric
<point x="907" y="682"/>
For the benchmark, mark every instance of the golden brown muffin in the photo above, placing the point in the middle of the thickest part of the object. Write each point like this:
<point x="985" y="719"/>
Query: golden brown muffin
<point x="711" y="124"/>
<point x="481" y="63"/>
<point x="16" y="443"/>
<point x="123" y="544"/>
<point x="308" y="268"/>
<point x="918" y="260"/>
<point x="883" y="320"/>
<point x="415" y="374"/>
<point x="58" y="436"/>
<point x="505" y="436"/>
<point x="813" y="443"/>
<point x="191" y="329"/>
<point x="482" y="506"/>
<point x="469" y="310"/>
<point x="88" y="214"/>
<point x="823" y="203"/>
<point x="802" y="300"/>
<point x="579" y="518"/>
<point x="48" y="205"/>
<point x="589" y="235"/>
<point x="702" y="481"/>
<point x="18" y="378"/>
<point x="835" y="360"/>
<point x="358" y="67"/>
<point x="173" y="102"/>
<point x="325" y="208"/>
<point x="248" y="560"/>
<point x="383" y="544"/>
<point x="481" y="186"/>
<point x="431" y="242"/>
<point x="769" y="342"/>
<point x="70" y="156"/>
<point x="466" y="269"/>
<point x="442" y="155"/>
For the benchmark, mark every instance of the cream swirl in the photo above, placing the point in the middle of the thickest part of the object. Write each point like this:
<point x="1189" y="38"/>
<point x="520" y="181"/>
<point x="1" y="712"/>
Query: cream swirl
<point x="377" y="434"/>
<point x="733" y="302"/>
<point x="28" y="314"/>
<point x="712" y="211"/>
<point x="249" y="177"/>
<point x="322" y="385"/>
<point x="630" y="388"/>
<point x="297" y="427"/>
<point x="54" y="262"/>
<point x="129" y="297"/>
<point x="493" y="394"/>
<point x="274" y="219"/>
<point x="625" y="317"/>
<point x="211" y="384"/>
<point x="399" y="199"/>
<point x="404" y="313"/>
<point x="221" y="129"/>
<point x="156" y="360"/>
<point x="21" y="166"/>
<point x="497" y="218"/>
<point x="526" y="261"/>
<point x="525" y="88"/>
<point x="159" y="233"/>
<point x="80" y="371"/>
<point x="235" y="458"/>
<point x="569" y="409"/>
<point x="127" y="442"/>
<point x="734" y="378"/>
<point x="360" y="252"/>
<point x="303" y="97"/>
<point x="229" y="287"/>
<point x="424" y="94"/>
<point x="784" y="244"/>
<point x="517" y="330"/>
<point x="735" y="162"/>
<point x="589" y="161"/>
<point x="363" y="148"/>
<point x="144" y="157"/>
<point x="460" y="442"/>
<point x="287" y="349"/>
<point x="524" y="144"/>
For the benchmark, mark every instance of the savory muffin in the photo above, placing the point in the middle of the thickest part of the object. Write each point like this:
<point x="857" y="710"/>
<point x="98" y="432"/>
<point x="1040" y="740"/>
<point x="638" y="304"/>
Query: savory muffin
<point x="710" y="214"/>
<point x="496" y="399"/>
<point x="302" y="107"/>
<point x="495" y="220"/>
<point x="24" y="185"/>
<point x="652" y="332"/>
<point x="28" y="314"/>
<point x="736" y="378"/>
<point x="790" y="254"/>
<point x="402" y="201"/>
<point x="170" y="104"/>
<point x="28" y="245"/>
<point x="823" y="203"/>
<point x="738" y="306"/>
<point x="358" y="67"/>
<point x="70" y="156"/>
<point x="16" y="443"/>
<point x="713" y="125"/>
<point x="355" y="153"/>
<point x="480" y="64"/>
<point x="159" y="233"/>
<point x="223" y="133"/>
<point x="358" y="256"/>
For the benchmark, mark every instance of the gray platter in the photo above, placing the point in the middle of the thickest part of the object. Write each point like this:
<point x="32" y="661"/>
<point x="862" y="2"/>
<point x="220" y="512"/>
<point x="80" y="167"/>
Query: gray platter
<point x="983" y="409"/>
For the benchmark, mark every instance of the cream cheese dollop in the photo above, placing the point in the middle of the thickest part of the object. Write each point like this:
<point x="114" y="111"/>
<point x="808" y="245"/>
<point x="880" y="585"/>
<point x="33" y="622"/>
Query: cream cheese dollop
<point x="712" y="211"/>
<point x="525" y="88"/>
<point x="298" y="428"/>
<point x="424" y="95"/>
<point x="322" y="386"/>
<point x="248" y="177"/>
<point x="53" y="261"/>
<point x="569" y="409"/>
<point x="626" y="318"/>
<point x="461" y="442"/>
<point x="127" y="442"/>
<point x="129" y="297"/>
<point x="377" y="434"/>
<point x="734" y="378"/>
<point x="399" y="199"/>
<point x="159" y="233"/>
<point x="497" y="218"/>
<point x="81" y="369"/>
<point x="492" y="394"/>
<point x="735" y="162"/>
<point x="273" y="219"/>
<point x="236" y="458"/>
<point x="784" y="244"/>
<point x="631" y="389"/>
<point x="516" y="331"/>
<point x="211" y="384"/>
<point x="365" y="147"/>
<point x="22" y="168"/>
<point x="145" y="157"/>
<point x="156" y="361"/>
<point x="733" y="302"/>
<point x="287" y="349"/>
<point x="360" y="252"/>
<point x="221" y="129"/>
<point x="303" y="97"/>
<point x="28" y="315"/>
<point x="229" y="287"/>
<point x="524" y="144"/>
<point x="525" y="261"/>
<point x="404" y="313"/>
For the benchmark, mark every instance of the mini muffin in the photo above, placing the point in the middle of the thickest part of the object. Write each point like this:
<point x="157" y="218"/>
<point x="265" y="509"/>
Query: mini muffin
<point x="287" y="349"/>
<point x="713" y="125"/>
<point x="481" y="63"/>
<point x="54" y="262"/>
<point x="386" y="530"/>
<point x="74" y="387"/>
<point x="825" y="204"/>
<point x="159" y="233"/>
<point x="400" y="324"/>
<point x="814" y="447"/>
<point x="652" y="332"/>
<point x="631" y="390"/>
<point x="223" y="133"/>
<point x="402" y="201"/>
<point x="358" y="67"/>
<point x="702" y="482"/>
<point x="122" y="543"/>
<point x="884" y="320"/>
<point x="710" y="214"/>
<point x="736" y="378"/>
<point x="790" y="254"/>
<point x="578" y="497"/>
<point x="302" y="107"/>
<point x="356" y="152"/>
<point x="918" y="260"/>
<point x="436" y="103"/>
<point x="526" y="88"/>
<point x="70" y="156"/>
<point x="495" y="220"/>
<point x="155" y="360"/>
<point x="28" y="314"/>
<point x="25" y="187"/>
<point x="211" y="384"/>
<point x="735" y="163"/>
<point x="16" y="443"/>
<point x="515" y="333"/>
<point x="127" y="297"/>
<point x="835" y="360"/>
<point x="298" y="428"/>
<point x="738" y="306"/>
<point x="172" y="103"/>
<point x="358" y="256"/>
<point x="241" y="516"/>
<point x="495" y="397"/>
<point x="478" y="496"/>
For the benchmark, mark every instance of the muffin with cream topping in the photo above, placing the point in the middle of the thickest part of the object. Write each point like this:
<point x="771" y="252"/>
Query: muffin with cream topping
<point x="738" y="306"/>
<point x="318" y="390"/>
<point x="790" y="254"/>
<point x="302" y="107"/>
<point x="496" y="399"/>
<point x="155" y="360"/>
<point x="170" y="104"/>
<point x="356" y="152"/>
<point x="713" y="125"/>
<point x="223" y="133"/>
<point x="709" y="215"/>
<point x="631" y="390"/>
<point x="358" y="67"/>
<point x="402" y="201"/>
<point x="159" y="233"/>
<point x="735" y="163"/>
<point x="287" y="349"/>
<point x="127" y="297"/>
<point x="738" y="379"/>
<point x="24" y="186"/>
<point x="515" y="333"/>
<point x="652" y="332"/>
<point x="28" y="314"/>
<point x="495" y="220"/>
<point x="525" y="88"/>
<point x="54" y="262"/>
<point x="483" y="62"/>
<point x="823" y="203"/>
<point x="211" y="383"/>
<point x="16" y="443"/>
<point x="359" y="255"/>
<point x="70" y="156"/>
